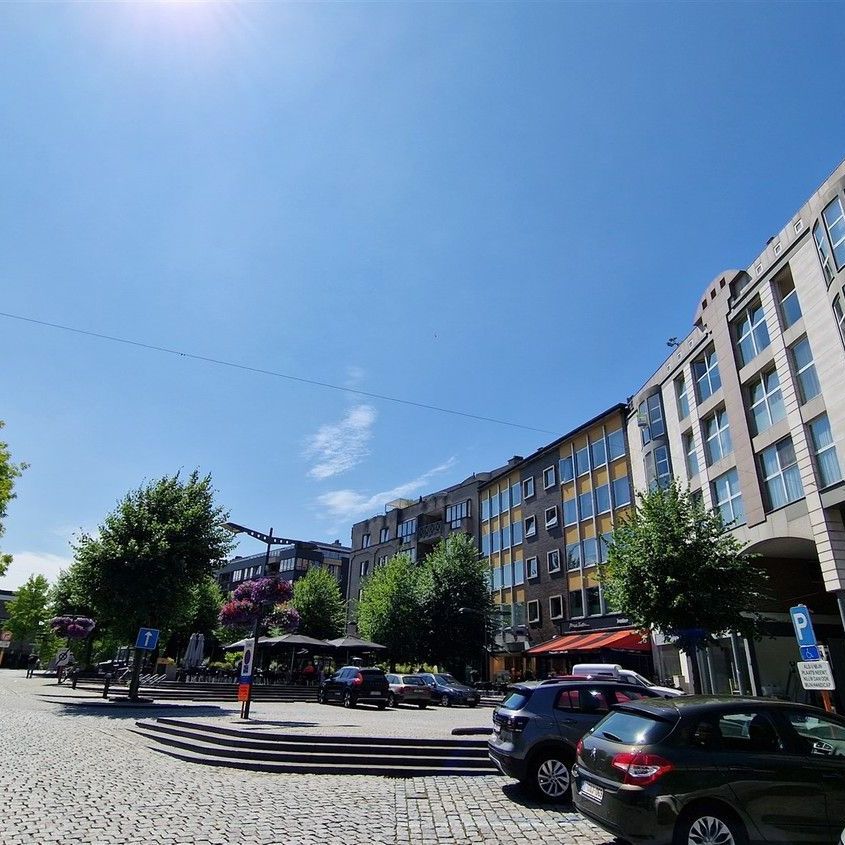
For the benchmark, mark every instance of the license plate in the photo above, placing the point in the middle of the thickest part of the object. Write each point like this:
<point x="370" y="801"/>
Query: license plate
<point x="375" y="692"/>
<point x="594" y="793"/>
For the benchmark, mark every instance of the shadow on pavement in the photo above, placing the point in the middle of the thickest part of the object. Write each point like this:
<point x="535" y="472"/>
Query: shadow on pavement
<point x="129" y="711"/>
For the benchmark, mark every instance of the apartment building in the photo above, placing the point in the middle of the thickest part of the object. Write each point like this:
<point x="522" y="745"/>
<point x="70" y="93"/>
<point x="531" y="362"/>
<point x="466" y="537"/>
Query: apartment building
<point x="545" y="525"/>
<point x="749" y="410"/>
<point x="413" y="527"/>
<point x="291" y="562"/>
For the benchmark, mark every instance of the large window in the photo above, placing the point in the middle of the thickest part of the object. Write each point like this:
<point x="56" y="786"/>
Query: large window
<point x="604" y="545"/>
<point x="728" y="498"/>
<point x="598" y="453"/>
<point x="573" y="556"/>
<point x="616" y="444"/>
<point x="621" y="492"/>
<point x="570" y="511"/>
<point x="706" y="373"/>
<point x="485" y="510"/>
<point x="516" y="528"/>
<point x="824" y="253"/>
<point x="805" y="370"/>
<point x="530" y="526"/>
<point x="651" y="418"/>
<point x="834" y="218"/>
<point x="549" y="477"/>
<point x="717" y="436"/>
<point x="576" y="603"/>
<point x="407" y="528"/>
<point x="591" y="551"/>
<point x="366" y="541"/>
<point x="531" y="568"/>
<point x="603" y="498"/>
<point x="494" y="503"/>
<point x="659" y="468"/>
<point x="455" y="514"/>
<point x="690" y="455"/>
<point x="824" y="451"/>
<point x="781" y="478"/>
<point x="593" y="601"/>
<point x="766" y="401"/>
<point x="752" y="334"/>
<point x="384" y="535"/>
<point x="790" y="308"/>
<point x="551" y="516"/>
<point x="582" y="461"/>
<point x="505" y="499"/>
<point x="496" y="536"/>
<point x="682" y="397"/>
<point x="516" y="494"/>
<point x="566" y="469"/>
<point x="528" y="487"/>
<point x="585" y="505"/>
<point x="485" y="545"/>
<point x="553" y="560"/>
<point x="506" y="536"/>
<point x="533" y="612"/>
<point x="556" y="607"/>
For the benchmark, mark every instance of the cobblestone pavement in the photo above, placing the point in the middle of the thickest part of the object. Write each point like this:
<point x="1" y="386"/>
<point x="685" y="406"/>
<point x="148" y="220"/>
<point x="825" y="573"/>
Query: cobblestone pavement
<point x="71" y="777"/>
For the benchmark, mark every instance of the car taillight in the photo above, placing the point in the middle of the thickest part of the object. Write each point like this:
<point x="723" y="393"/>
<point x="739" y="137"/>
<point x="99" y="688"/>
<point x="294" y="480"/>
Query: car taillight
<point x="641" y="769"/>
<point x="579" y="747"/>
<point x="357" y="680"/>
<point x="517" y="723"/>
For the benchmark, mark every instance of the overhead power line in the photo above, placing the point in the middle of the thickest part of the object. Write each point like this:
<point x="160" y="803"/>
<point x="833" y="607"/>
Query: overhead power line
<point x="265" y="372"/>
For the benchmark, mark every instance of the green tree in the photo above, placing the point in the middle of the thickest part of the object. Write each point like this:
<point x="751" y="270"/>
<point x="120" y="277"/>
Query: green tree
<point x="390" y="610"/>
<point x="675" y="566"/>
<point x="9" y="471"/>
<point x="151" y="553"/>
<point x="318" y="600"/>
<point x="456" y="602"/>
<point x="29" y="610"/>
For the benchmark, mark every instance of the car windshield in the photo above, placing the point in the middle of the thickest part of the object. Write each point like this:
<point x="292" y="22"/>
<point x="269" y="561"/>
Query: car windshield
<point x="632" y="728"/>
<point x="448" y="680"/>
<point x="413" y="680"/>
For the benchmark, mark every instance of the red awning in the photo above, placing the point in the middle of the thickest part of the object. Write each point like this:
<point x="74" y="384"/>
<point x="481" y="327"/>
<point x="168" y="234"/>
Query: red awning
<point x="623" y="640"/>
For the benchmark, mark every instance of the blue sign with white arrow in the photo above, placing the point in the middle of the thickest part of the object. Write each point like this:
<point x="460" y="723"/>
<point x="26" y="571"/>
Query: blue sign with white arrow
<point x="147" y="639"/>
<point x="804" y="632"/>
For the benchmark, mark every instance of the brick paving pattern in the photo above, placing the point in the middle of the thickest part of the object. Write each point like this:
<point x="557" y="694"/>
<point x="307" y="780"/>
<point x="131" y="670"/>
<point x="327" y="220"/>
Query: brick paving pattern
<point x="69" y="777"/>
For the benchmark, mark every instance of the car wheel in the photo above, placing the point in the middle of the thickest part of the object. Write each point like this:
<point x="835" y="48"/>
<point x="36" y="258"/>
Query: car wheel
<point x="551" y="779"/>
<point x="445" y="701"/>
<point x="391" y="700"/>
<point x="348" y="700"/>
<point x="422" y="705"/>
<point x="710" y="826"/>
<point x="472" y="703"/>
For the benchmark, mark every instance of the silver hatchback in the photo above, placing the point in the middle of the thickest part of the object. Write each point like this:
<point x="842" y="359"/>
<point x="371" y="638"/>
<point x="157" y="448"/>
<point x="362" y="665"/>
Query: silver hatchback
<point x="536" y="729"/>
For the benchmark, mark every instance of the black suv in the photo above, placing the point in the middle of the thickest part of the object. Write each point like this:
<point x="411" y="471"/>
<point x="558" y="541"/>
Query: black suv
<point x="353" y="685"/>
<point x="717" y="769"/>
<point x="536" y="729"/>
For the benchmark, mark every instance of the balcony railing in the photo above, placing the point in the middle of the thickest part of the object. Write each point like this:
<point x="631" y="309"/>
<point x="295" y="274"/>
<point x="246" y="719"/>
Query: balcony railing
<point x="429" y="532"/>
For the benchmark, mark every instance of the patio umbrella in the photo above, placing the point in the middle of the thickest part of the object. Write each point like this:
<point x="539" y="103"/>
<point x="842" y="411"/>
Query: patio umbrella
<point x="193" y="655"/>
<point x="350" y="644"/>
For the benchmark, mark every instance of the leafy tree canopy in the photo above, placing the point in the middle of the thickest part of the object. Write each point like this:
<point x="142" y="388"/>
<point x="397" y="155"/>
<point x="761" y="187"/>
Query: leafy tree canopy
<point x="317" y="597"/>
<point x="9" y="471"/>
<point x="675" y="566"/>
<point x="29" y="610"/>
<point x="151" y="552"/>
<point x="456" y="602"/>
<point x="390" y="610"/>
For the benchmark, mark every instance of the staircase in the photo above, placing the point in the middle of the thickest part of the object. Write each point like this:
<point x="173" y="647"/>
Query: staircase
<point x="207" y="691"/>
<point x="266" y="751"/>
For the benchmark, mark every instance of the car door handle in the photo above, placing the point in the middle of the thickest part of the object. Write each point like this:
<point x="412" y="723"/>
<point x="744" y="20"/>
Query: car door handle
<point x="569" y="721"/>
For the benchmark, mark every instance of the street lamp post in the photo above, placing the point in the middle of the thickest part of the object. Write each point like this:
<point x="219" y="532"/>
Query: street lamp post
<point x="270" y="541"/>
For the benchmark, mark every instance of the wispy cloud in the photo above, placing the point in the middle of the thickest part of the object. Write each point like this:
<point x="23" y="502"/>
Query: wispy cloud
<point x="25" y="564"/>
<point x="354" y="376"/>
<point x="340" y="446"/>
<point x="345" y="505"/>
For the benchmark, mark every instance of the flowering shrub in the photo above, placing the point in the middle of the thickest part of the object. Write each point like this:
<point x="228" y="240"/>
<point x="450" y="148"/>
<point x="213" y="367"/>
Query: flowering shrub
<point x="75" y="627"/>
<point x="261" y="600"/>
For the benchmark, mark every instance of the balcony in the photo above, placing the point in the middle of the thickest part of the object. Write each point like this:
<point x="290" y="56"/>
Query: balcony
<point x="432" y="532"/>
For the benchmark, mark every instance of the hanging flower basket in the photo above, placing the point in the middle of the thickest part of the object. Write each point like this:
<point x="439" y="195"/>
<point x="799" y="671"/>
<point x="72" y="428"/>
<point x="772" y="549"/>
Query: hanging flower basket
<point x="74" y="627"/>
<point x="261" y="600"/>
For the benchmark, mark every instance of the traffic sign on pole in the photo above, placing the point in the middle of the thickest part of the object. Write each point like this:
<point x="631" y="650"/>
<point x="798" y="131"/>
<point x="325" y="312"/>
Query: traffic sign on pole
<point x="147" y="639"/>
<point x="246" y="663"/>
<point x="816" y="674"/>
<point x="803" y="625"/>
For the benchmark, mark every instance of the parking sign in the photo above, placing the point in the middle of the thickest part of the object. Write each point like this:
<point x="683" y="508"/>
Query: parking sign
<point x="803" y="625"/>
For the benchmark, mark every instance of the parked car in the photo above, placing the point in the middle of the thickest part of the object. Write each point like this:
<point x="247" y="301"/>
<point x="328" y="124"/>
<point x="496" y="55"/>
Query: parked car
<point x="615" y="671"/>
<point x="448" y="690"/>
<point x="721" y="769"/>
<point x="353" y="685"/>
<point x="537" y="727"/>
<point x="408" y="689"/>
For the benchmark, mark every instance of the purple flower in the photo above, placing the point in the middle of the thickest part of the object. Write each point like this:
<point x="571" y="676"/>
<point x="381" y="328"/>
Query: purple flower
<point x="238" y="612"/>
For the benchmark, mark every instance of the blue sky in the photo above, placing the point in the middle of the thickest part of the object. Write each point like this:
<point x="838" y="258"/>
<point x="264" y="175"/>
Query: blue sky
<point x="500" y="208"/>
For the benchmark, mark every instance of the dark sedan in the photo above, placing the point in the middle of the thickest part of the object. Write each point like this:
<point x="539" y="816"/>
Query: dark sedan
<point x="714" y="771"/>
<point x="448" y="690"/>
